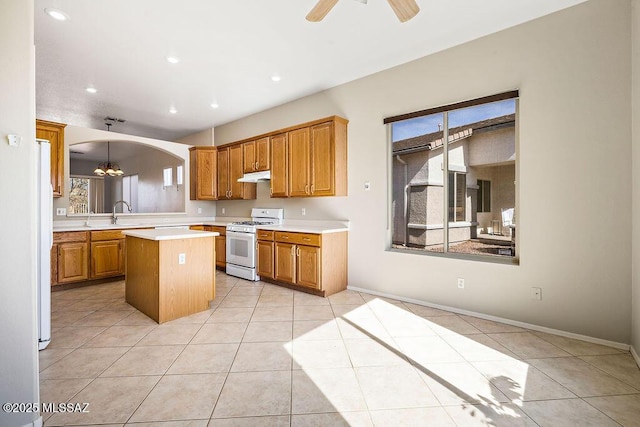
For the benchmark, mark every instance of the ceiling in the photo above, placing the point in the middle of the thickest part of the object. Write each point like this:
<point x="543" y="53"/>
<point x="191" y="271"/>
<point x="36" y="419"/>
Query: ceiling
<point x="228" y="51"/>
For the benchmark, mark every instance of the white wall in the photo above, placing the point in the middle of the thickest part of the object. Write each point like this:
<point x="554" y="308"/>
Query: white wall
<point x="152" y="196"/>
<point x="201" y="138"/>
<point x="18" y="333"/>
<point x="574" y="81"/>
<point x="635" y="340"/>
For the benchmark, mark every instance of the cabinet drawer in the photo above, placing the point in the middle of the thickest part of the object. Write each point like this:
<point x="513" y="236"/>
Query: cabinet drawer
<point x="298" y="238"/>
<point x="70" y="236"/>
<point x="97" y="236"/>
<point x="265" y="234"/>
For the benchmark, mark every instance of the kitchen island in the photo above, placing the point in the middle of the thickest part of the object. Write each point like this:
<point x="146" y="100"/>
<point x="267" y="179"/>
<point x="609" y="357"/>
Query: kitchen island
<point x="170" y="273"/>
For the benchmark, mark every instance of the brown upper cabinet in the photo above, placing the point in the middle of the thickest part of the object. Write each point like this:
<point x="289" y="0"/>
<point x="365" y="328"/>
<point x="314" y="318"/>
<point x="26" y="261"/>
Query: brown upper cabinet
<point x="299" y="162"/>
<point x="54" y="133"/>
<point x="317" y="160"/>
<point x="305" y="160"/>
<point x="256" y="155"/>
<point x="230" y="169"/>
<point x="279" y="161"/>
<point x="203" y="174"/>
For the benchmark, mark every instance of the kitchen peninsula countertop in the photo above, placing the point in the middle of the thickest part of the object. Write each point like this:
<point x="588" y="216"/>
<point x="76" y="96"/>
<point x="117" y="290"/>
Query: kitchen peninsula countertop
<point x="81" y="225"/>
<point x="168" y="234"/>
<point x="293" y="225"/>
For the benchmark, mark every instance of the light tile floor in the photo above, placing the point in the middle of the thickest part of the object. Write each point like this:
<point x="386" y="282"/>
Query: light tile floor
<point x="269" y="356"/>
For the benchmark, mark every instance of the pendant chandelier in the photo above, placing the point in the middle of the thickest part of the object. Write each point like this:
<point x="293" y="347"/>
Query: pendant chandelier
<point x="107" y="168"/>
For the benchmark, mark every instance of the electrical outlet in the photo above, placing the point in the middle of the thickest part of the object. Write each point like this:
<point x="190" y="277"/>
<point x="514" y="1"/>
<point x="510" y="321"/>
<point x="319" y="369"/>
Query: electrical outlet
<point x="303" y="211"/>
<point x="14" y="140"/>
<point x="536" y="293"/>
<point x="223" y="211"/>
<point x="367" y="186"/>
<point x="182" y="258"/>
<point x="199" y="210"/>
<point x="460" y="283"/>
<point x="61" y="211"/>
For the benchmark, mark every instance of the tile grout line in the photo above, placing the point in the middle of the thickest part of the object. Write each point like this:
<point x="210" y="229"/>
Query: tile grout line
<point x="217" y="400"/>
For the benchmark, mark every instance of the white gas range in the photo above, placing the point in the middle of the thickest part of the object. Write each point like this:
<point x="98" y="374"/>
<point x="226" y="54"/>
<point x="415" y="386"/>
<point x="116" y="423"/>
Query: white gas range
<point x="241" y="242"/>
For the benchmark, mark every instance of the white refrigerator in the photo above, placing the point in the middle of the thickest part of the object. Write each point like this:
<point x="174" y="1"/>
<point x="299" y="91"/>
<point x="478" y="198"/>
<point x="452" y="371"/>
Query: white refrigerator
<point x="45" y="242"/>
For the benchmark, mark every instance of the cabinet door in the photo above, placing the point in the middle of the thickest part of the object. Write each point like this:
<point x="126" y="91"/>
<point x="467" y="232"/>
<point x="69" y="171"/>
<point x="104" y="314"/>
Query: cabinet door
<point x="262" y="154"/>
<point x="203" y="174"/>
<point x="223" y="173"/>
<point x="54" y="133"/>
<point x="279" y="180"/>
<point x="106" y="259"/>
<point x="285" y="262"/>
<point x="54" y="264"/>
<point x="299" y="156"/>
<point x="249" y="150"/>
<point x="265" y="259"/>
<point x="308" y="266"/>
<point x="73" y="260"/>
<point x="322" y="160"/>
<point x="221" y="251"/>
<point x="236" y="171"/>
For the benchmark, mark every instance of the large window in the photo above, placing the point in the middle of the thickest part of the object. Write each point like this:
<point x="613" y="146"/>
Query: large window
<point x="453" y="178"/>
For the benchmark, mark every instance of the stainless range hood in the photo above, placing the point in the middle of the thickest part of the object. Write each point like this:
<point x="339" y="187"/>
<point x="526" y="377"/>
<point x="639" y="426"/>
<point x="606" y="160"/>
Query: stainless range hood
<point x="256" y="176"/>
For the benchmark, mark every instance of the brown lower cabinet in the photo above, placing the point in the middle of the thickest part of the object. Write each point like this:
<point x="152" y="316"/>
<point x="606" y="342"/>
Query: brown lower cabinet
<point x="78" y="256"/>
<point x="265" y="257"/>
<point x="107" y="254"/>
<point x="312" y="262"/>
<point x="71" y="253"/>
<point x="221" y="242"/>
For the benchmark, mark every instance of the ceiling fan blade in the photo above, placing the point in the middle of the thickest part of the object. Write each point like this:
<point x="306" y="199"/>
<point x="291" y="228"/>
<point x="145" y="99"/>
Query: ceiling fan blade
<point x="404" y="9"/>
<point x="320" y="10"/>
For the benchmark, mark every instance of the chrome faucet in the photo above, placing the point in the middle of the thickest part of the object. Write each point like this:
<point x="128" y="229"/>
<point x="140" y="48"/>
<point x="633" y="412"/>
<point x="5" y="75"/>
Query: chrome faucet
<point x="114" y="218"/>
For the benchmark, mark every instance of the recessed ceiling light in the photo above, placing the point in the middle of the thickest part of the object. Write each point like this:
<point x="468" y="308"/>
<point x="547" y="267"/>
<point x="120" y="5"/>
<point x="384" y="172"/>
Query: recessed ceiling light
<point x="91" y="89"/>
<point x="56" y="14"/>
<point x="172" y="60"/>
<point x="275" y="78"/>
<point x="172" y="110"/>
<point x="214" y="105"/>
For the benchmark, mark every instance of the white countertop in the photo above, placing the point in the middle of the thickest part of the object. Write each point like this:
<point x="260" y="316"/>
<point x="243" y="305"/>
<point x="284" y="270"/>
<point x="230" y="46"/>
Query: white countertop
<point x="306" y="228"/>
<point x="168" y="234"/>
<point x="294" y="225"/>
<point x="96" y="225"/>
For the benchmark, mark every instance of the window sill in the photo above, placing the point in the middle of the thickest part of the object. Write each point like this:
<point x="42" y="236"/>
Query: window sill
<point x="494" y="259"/>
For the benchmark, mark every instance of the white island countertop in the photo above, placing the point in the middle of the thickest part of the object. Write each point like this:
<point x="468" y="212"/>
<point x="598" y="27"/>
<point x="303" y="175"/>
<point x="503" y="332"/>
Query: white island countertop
<point x="168" y="234"/>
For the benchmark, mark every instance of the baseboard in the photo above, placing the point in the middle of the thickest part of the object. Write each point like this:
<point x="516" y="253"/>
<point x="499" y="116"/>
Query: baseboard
<point x="634" y="353"/>
<point x="36" y="423"/>
<point x="614" y="344"/>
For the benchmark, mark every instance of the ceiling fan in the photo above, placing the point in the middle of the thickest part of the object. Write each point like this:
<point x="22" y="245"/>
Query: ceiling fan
<point x="404" y="9"/>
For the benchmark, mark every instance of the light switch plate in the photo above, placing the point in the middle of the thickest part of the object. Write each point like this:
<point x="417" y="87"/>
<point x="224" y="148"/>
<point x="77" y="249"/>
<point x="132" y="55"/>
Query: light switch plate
<point x="14" y="140"/>
<point x="367" y="186"/>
